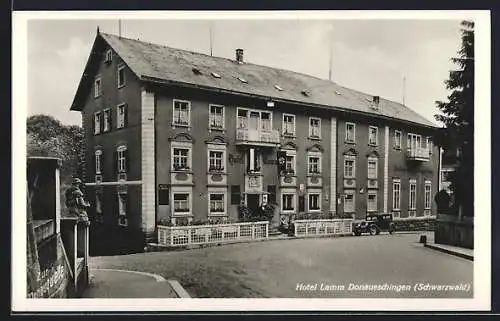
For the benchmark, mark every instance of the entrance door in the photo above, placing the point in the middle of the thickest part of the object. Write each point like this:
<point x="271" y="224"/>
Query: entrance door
<point x="253" y="201"/>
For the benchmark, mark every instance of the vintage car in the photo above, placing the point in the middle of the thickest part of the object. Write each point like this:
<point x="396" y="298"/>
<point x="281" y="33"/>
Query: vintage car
<point x="374" y="223"/>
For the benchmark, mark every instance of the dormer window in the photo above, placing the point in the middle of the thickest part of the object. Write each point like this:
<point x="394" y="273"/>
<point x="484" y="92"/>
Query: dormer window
<point x="196" y="71"/>
<point x="242" y="80"/>
<point x="278" y="87"/>
<point x="216" y="75"/>
<point x="306" y="93"/>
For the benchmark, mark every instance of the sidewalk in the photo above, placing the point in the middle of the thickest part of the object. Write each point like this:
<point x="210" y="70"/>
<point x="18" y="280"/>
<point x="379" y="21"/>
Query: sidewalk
<point x="106" y="283"/>
<point x="449" y="249"/>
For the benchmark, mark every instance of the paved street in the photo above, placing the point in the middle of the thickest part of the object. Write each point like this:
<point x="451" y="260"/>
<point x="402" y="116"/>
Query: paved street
<point x="326" y="267"/>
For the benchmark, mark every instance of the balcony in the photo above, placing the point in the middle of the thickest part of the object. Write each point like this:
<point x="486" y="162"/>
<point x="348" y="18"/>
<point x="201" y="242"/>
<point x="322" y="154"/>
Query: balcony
<point x="418" y="154"/>
<point x="246" y="136"/>
<point x="253" y="182"/>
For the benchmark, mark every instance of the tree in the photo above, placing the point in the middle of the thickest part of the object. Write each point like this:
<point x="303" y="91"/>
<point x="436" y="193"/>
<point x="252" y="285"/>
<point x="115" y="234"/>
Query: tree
<point x="457" y="115"/>
<point x="47" y="136"/>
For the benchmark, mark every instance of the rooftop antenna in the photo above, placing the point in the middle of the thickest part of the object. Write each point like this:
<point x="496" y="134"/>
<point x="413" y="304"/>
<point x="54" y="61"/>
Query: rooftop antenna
<point x="211" y="39"/>
<point x="404" y="90"/>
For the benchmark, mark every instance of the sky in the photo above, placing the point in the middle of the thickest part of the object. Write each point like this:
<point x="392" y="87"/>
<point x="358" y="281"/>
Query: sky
<point x="372" y="56"/>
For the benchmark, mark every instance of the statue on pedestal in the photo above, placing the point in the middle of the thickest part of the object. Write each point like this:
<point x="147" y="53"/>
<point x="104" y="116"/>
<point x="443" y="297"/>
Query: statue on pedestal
<point x="75" y="202"/>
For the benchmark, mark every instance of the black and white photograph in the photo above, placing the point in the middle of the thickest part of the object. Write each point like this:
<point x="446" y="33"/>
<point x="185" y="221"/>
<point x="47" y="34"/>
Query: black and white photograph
<point x="177" y="156"/>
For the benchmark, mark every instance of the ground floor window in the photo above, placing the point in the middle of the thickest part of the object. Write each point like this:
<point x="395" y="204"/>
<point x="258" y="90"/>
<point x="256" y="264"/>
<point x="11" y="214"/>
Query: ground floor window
<point x="314" y="202"/>
<point x="181" y="203"/>
<point x="349" y="202"/>
<point x="413" y="194"/>
<point x="217" y="204"/>
<point x="396" y="194"/>
<point x="122" y="209"/>
<point x="288" y="202"/>
<point x="372" y="202"/>
<point x="427" y="195"/>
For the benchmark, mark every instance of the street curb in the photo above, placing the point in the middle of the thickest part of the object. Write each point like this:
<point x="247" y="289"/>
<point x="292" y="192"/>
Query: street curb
<point x="178" y="289"/>
<point x="440" y="249"/>
<point x="157" y="277"/>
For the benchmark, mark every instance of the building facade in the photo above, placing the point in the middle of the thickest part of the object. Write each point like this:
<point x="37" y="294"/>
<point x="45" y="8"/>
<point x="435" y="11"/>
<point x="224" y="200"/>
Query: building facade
<point x="174" y="136"/>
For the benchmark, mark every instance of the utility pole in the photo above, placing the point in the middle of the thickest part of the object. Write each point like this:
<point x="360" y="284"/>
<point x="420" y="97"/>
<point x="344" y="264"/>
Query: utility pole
<point x="331" y="57"/>
<point x="119" y="28"/>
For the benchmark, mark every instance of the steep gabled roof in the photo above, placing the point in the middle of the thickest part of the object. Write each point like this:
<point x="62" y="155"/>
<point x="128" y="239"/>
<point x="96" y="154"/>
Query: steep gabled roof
<point x="152" y="62"/>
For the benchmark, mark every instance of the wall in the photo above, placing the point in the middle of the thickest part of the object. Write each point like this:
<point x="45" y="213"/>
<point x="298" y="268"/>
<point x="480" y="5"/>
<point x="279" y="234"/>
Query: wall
<point x="108" y="141"/>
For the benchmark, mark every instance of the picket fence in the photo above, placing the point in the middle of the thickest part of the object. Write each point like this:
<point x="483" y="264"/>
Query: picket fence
<point x="315" y="228"/>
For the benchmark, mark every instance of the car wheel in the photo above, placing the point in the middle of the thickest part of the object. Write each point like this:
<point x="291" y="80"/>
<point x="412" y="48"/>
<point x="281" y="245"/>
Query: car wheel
<point x="373" y="230"/>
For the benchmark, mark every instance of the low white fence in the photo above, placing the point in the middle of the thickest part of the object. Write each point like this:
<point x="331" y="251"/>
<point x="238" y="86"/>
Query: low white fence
<point x="312" y="228"/>
<point x="216" y="233"/>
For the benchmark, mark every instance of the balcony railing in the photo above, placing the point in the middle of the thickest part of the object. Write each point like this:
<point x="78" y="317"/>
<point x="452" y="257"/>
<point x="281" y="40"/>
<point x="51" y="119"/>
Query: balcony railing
<point x="246" y="136"/>
<point x="43" y="229"/>
<point x="418" y="154"/>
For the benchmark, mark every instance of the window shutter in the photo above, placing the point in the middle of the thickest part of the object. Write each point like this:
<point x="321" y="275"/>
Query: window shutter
<point x="101" y="121"/>
<point x="102" y="162"/>
<point x="125" y="115"/>
<point x="127" y="160"/>
<point x="93" y="124"/>
<point x="110" y="119"/>
<point x="93" y="164"/>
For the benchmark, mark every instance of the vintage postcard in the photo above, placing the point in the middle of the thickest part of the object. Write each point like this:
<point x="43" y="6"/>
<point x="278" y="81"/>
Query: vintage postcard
<point x="251" y="161"/>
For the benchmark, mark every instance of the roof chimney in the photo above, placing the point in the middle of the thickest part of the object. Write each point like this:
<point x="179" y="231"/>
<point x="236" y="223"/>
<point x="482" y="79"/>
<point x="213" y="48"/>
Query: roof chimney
<point x="239" y="55"/>
<point x="376" y="100"/>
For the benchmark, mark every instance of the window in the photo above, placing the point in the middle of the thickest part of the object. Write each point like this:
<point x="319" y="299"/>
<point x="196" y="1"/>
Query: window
<point x="242" y="117"/>
<point x="97" y="123"/>
<point x="290" y="163"/>
<point x="98" y="155"/>
<point x="180" y="159"/>
<point x="122" y="209"/>
<point x="372" y="168"/>
<point x="349" y="167"/>
<point x="414" y="142"/>
<point x="396" y="194"/>
<point x="278" y="87"/>
<point x="429" y="145"/>
<point x="122" y="204"/>
<point x="98" y="204"/>
<point x="107" y="120"/>
<point x="314" y="165"/>
<point x="216" y="75"/>
<point x="265" y="121"/>
<point x="216" y="162"/>
<point x="109" y="56"/>
<point x="121" y="76"/>
<point x="235" y="195"/>
<point x="373" y="135"/>
<point x="371" y="205"/>
<point x="97" y="87"/>
<point x="288" y="124"/>
<point x="349" y="202"/>
<point x="427" y="194"/>
<point x="288" y="202"/>
<point x="122" y="158"/>
<point x="181" y="113"/>
<point x="242" y="80"/>
<point x="216" y="117"/>
<point x="217" y="204"/>
<point x="314" y="127"/>
<point x="397" y="139"/>
<point x="314" y="202"/>
<point x="121" y="116"/>
<point x="350" y="132"/>
<point x="413" y="194"/>
<point x="181" y="203"/>
<point x="253" y="160"/>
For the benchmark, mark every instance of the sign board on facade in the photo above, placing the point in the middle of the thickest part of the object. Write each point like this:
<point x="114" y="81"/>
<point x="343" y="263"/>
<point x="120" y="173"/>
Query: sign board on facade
<point x="163" y="194"/>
